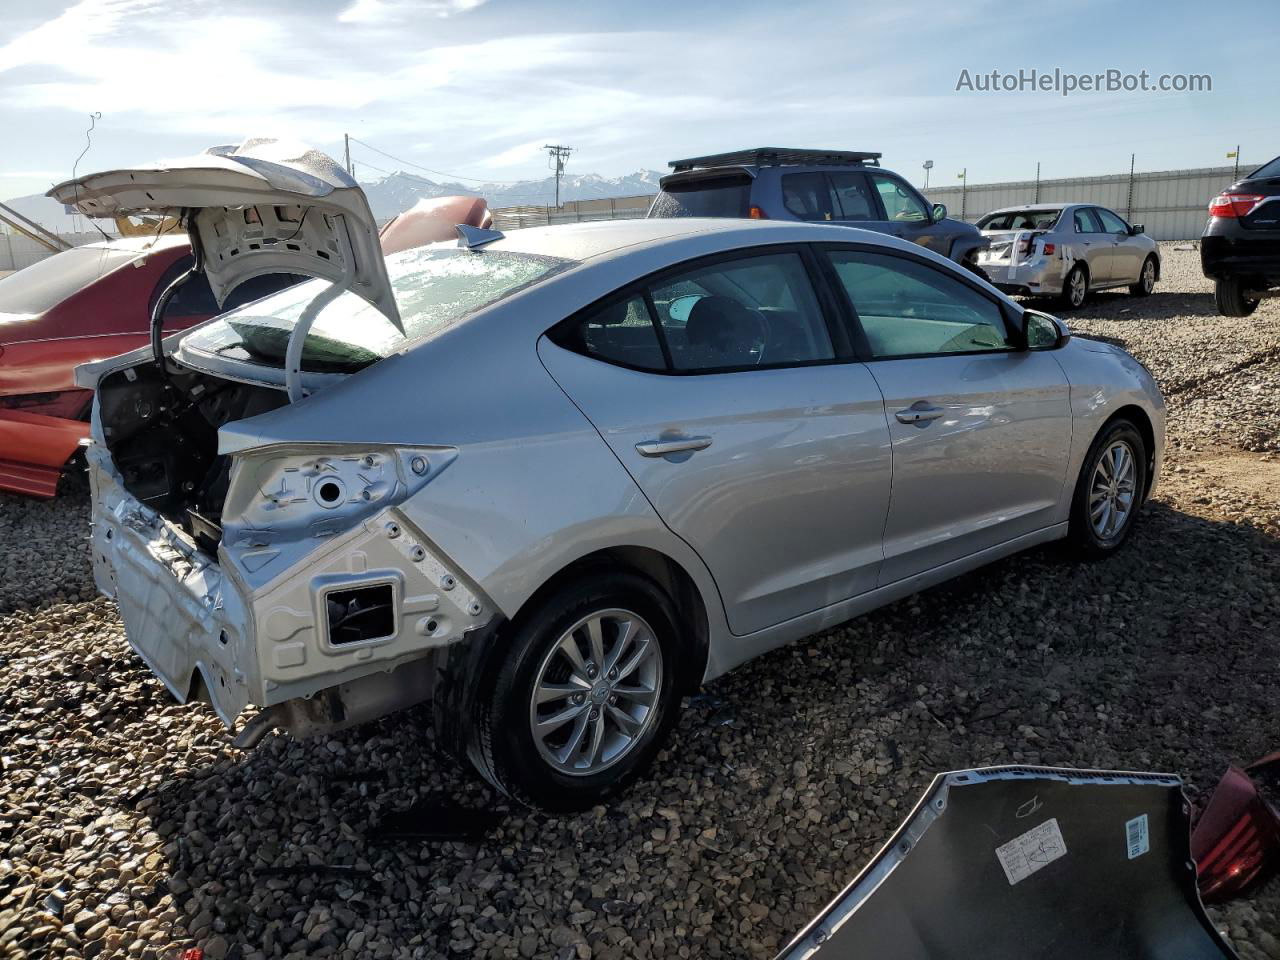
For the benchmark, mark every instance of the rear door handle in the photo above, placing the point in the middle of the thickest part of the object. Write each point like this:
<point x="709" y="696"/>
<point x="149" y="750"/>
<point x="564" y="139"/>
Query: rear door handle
<point x="663" y="448"/>
<point x="920" y="414"/>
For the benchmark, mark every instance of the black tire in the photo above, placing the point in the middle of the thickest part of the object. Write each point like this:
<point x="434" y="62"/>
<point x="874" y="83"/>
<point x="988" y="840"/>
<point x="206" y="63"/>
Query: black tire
<point x="1228" y="293"/>
<point x="506" y="751"/>
<point x="1074" y="296"/>
<point x="1146" y="279"/>
<point x="1083" y="538"/>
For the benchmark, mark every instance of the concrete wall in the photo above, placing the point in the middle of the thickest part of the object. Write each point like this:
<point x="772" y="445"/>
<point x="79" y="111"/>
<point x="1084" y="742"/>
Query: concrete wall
<point x="1172" y="204"/>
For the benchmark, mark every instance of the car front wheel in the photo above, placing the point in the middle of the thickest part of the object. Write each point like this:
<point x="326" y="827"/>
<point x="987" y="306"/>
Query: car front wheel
<point x="1109" y="492"/>
<point x="585" y="695"/>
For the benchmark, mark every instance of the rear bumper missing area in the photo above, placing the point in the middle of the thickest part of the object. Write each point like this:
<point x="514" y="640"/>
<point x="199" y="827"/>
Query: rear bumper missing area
<point x="208" y="635"/>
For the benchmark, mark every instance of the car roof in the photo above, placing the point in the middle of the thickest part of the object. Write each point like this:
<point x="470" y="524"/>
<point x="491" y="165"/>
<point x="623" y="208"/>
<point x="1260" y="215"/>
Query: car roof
<point x="1038" y="206"/>
<point x="602" y="238"/>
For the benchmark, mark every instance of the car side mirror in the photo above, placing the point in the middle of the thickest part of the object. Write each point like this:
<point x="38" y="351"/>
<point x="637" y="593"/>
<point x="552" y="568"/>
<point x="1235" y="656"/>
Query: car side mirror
<point x="1042" y="331"/>
<point x="939" y="212"/>
<point x="1137" y="228"/>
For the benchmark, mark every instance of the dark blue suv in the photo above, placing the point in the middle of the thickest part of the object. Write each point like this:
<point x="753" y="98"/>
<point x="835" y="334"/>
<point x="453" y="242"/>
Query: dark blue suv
<point x="836" y="186"/>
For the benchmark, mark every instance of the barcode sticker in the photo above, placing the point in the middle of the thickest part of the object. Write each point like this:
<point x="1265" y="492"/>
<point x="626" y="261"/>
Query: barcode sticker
<point x="1137" y="836"/>
<point x="1034" y="850"/>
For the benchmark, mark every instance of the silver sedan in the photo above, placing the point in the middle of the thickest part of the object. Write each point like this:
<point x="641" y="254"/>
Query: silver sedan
<point x="1067" y="251"/>
<point x="555" y="480"/>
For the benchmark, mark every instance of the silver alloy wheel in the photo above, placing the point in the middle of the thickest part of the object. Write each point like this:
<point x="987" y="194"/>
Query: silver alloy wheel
<point x="596" y="692"/>
<point x="1112" y="490"/>
<point x="1148" y="275"/>
<point x="1077" y="287"/>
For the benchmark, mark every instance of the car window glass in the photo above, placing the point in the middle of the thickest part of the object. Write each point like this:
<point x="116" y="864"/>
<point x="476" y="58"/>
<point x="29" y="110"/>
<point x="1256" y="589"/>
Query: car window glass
<point x="1110" y="222"/>
<point x="909" y="309"/>
<point x="754" y="311"/>
<point x="1020" y="220"/>
<point x="853" y="194"/>
<point x="46" y="283"/>
<point x="899" y="203"/>
<point x="1085" y="223"/>
<point x="621" y="332"/>
<point x="808" y="196"/>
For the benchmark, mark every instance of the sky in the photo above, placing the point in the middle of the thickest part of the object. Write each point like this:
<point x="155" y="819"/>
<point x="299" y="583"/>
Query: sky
<point x="475" y="88"/>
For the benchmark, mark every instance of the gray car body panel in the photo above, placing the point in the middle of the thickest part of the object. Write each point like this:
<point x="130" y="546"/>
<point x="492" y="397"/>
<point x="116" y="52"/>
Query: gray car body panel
<point x="1113" y="260"/>
<point x="529" y="485"/>
<point x="1015" y="862"/>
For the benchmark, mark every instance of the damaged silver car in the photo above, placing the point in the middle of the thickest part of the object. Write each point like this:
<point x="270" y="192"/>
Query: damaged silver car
<point x="554" y="480"/>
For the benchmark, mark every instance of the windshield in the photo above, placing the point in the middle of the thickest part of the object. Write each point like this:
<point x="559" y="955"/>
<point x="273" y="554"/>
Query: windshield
<point x="1266" y="171"/>
<point x="710" y="197"/>
<point x="1020" y="220"/>
<point x="48" y="282"/>
<point x="433" y="288"/>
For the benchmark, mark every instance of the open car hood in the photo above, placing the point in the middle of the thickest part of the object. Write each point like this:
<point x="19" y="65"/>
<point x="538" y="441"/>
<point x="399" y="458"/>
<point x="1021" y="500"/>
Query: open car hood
<point x="258" y="208"/>
<point x="1015" y="863"/>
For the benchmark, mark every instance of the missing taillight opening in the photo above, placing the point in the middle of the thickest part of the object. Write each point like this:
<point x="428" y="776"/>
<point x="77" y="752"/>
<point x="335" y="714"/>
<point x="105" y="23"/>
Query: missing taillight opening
<point x="360" y="614"/>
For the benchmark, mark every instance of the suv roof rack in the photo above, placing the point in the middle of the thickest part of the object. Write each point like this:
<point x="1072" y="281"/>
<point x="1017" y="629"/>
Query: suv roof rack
<point x="777" y="157"/>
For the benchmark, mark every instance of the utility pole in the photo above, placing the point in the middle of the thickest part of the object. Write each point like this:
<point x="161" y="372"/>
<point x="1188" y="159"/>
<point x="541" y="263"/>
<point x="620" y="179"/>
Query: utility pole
<point x="346" y="148"/>
<point x="558" y="155"/>
<point x="1037" y="199"/>
<point x="1235" y="174"/>
<point x="1128" y="213"/>
<point x="964" y="189"/>
<point x="928" y="165"/>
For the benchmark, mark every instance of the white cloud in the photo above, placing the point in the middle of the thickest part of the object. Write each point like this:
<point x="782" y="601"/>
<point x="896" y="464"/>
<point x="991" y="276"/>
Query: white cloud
<point x="384" y="11"/>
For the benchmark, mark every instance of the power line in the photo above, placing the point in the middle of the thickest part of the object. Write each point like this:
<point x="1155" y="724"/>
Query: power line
<point x="438" y="173"/>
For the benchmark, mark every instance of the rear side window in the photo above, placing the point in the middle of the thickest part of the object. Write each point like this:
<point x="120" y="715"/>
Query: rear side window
<point x="908" y="309"/>
<point x="1085" y="222"/>
<point x="853" y="193"/>
<point x="808" y="196"/>
<point x="728" y="196"/>
<point x="621" y="333"/>
<point x="753" y="311"/>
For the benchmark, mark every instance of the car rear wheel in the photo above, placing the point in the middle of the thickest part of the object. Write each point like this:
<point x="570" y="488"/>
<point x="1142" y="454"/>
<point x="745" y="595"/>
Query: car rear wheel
<point x="1228" y="292"/>
<point x="585" y="695"/>
<point x="1146" y="279"/>
<point x="1109" y="491"/>
<point x="1075" y="289"/>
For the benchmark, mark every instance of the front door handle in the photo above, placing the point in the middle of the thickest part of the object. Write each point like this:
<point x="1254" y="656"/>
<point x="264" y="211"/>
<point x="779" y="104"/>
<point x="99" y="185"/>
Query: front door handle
<point x="920" y="414"/>
<point x="664" y="448"/>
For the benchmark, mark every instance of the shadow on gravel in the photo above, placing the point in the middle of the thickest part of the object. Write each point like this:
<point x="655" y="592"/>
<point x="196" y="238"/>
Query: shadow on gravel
<point x="1120" y="306"/>
<point x="781" y="779"/>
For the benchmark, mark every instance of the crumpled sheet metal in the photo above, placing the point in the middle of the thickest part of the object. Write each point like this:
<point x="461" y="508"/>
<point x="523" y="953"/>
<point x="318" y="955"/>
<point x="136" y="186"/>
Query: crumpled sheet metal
<point x="1027" y="862"/>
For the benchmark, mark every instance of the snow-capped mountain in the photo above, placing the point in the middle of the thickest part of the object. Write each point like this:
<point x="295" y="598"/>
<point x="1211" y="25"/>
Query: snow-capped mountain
<point x="398" y="191"/>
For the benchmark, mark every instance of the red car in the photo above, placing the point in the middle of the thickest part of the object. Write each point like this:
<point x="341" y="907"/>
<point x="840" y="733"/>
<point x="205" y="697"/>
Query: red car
<point x="84" y="304"/>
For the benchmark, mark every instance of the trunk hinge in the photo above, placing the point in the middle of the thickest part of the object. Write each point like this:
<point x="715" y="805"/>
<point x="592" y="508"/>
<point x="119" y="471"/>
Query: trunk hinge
<point x="298" y="335"/>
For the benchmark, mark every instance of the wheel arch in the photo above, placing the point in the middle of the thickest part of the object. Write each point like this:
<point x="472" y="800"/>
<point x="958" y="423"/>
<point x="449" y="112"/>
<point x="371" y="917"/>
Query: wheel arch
<point x="670" y="576"/>
<point x="1142" y="420"/>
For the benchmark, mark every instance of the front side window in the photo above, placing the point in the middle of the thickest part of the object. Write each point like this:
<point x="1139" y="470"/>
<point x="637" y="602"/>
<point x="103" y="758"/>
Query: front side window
<point x="900" y="204"/>
<point x="434" y="288"/>
<point x="909" y="309"/>
<point x="808" y="196"/>
<point x="854" y="196"/>
<point x="1110" y="222"/>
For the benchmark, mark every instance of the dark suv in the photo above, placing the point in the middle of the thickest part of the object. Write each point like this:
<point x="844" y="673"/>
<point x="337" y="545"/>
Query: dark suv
<point x="1240" y="249"/>
<point x="836" y="186"/>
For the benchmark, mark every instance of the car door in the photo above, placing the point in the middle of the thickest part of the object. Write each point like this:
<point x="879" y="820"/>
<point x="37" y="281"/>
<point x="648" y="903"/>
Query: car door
<point x="724" y="389"/>
<point x="1126" y="251"/>
<point x="981" y="431"/>
<point x="1095" y="244"/>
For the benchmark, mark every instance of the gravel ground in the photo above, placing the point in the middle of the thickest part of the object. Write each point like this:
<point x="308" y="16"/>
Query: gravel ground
<point x="130" y="827"/>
